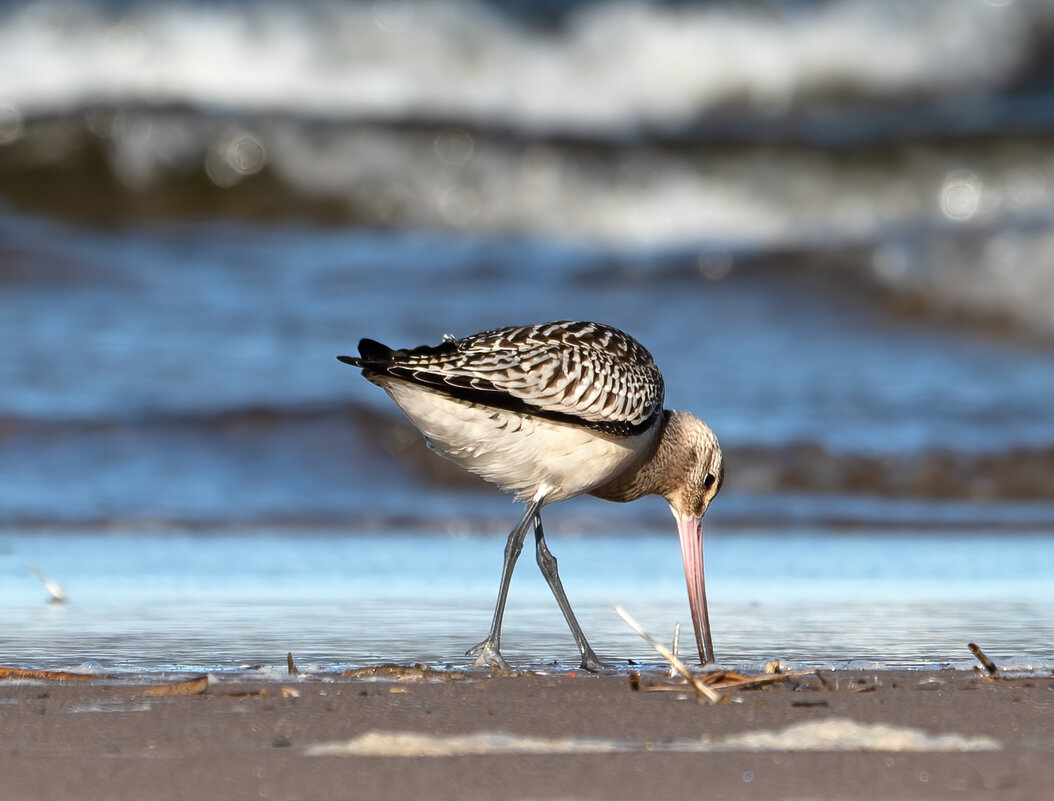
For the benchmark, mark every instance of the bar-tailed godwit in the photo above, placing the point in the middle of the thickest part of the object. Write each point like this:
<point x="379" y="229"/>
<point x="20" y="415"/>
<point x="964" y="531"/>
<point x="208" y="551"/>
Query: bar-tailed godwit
<point x="548" y="412"/>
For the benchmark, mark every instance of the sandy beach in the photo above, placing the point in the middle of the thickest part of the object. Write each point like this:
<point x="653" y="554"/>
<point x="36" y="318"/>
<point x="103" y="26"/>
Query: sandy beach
<point x="844" y="734"/>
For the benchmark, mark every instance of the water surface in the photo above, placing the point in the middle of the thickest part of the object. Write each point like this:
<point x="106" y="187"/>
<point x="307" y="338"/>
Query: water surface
<point x="344" y="599"/>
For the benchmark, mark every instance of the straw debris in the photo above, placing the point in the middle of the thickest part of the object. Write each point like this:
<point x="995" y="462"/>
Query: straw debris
<point x="46" y="675"/>
<point x="982" y="657"/>
<point x="393" y="672"/>
<point x="194" y="686"/>
<point x="701" y="689"/>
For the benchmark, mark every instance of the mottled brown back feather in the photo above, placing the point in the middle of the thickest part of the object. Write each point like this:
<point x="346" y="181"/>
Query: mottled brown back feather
<point x="582" y="373"/>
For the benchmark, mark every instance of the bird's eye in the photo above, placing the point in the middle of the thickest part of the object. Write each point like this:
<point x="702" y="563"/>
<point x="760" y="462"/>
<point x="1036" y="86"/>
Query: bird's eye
<point x="708" y="482"/>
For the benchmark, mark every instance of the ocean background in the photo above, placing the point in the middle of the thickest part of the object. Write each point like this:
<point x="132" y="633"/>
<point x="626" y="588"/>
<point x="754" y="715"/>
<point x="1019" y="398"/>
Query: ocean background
<point x="832" y="223"/>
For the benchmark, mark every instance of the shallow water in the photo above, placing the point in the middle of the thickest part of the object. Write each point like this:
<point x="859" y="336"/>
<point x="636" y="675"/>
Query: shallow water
<point x="337" y="600"/>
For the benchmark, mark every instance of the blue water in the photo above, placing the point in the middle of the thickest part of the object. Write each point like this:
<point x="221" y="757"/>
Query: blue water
<point x="344" y="599"/>
<point x="187" y="372"/>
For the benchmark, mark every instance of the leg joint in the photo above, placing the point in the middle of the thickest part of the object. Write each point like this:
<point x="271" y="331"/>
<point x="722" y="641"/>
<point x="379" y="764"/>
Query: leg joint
<point x="546" y="560"/>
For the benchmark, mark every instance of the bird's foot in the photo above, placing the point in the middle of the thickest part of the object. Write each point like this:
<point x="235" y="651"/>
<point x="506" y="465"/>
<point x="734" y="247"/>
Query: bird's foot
<point x="591" y="663"/>
<point x="487" y="655"/>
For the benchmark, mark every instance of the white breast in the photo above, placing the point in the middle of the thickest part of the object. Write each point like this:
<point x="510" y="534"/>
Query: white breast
<point x="520" y="453"/>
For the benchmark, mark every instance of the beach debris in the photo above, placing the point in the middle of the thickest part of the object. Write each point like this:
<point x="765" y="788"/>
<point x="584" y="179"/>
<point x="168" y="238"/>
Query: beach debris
<point x="55" y="590"/>
<point x="46" y="675"/>
<point x="701" y="689"/>
<point x="634" y="680"/>
<point x="982" y="657"/>
<point x="729" y="680"/>
<point x="676" y="645"/>
<point x="773" y="667"/>
<point x="291" y="665"/>
<point x="393" y="672"/>
<point x="194" y="686"/>
<point x="290" y="692"/>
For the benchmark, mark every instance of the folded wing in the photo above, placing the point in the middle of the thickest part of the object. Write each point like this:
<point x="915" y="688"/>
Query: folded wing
<point x="583" y="373"/>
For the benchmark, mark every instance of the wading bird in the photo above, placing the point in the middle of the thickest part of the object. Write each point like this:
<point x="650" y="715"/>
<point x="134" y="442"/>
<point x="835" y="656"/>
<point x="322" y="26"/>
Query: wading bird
<point x="549" y="412"/>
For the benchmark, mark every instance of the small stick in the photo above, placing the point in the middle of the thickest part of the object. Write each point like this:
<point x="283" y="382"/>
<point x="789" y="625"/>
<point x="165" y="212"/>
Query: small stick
<point x="291" y="665"/>
<point x="982" y="657"/>
<point x="676" y="645"/>
<point x="759" y="681"/>
<point x="55" y="590"/>
<point x="700" y="688"/>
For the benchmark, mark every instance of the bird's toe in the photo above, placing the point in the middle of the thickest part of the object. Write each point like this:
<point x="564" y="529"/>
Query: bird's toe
<point x="488" y="655"/>
<point x="594" y="665"/>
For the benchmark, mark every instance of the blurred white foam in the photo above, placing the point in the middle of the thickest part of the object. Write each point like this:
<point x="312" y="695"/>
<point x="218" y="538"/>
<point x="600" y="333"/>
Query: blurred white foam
<point x="612" y="64"/>
<point x="1004" y="278"/>
<point x="829" y="734"/>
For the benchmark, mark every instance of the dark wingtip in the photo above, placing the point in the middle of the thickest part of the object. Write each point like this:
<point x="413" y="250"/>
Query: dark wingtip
<point x="371" y="354"/>
<point x="372" y="351"/>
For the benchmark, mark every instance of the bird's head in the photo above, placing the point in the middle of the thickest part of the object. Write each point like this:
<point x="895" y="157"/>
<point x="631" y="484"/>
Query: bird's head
<point x="696" y="472"/>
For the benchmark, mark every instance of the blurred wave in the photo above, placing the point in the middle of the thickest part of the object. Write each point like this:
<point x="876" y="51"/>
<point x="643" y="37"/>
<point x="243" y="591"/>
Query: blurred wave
<point x="184" y="374"/>
<point x="959" y="230"/>
<point x="908" y="143"/>
<point x="608" y="66"/>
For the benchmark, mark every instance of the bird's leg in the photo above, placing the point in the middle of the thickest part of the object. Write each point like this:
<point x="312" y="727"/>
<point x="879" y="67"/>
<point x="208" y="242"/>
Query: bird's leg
<point x="547" y="562"/>
<point x="488" y="652"/>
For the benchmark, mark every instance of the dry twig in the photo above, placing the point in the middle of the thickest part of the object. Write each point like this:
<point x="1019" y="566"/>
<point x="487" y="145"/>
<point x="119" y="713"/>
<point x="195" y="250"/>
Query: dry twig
<point x="676" y="645"/>
<point x="982" y="657"/>
<point x="55" y="590"/>
<point x="700" y="687"/>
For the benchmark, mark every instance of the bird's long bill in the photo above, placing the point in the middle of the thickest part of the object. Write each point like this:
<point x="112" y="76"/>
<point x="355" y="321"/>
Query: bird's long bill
<point x="691" y="531"/>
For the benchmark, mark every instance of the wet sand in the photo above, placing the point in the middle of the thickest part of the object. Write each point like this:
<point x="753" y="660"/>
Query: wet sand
<point x="887" y="734"/>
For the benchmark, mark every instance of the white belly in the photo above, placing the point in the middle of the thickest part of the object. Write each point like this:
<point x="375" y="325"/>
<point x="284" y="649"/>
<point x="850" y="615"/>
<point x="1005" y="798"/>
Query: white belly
<point x="518" y="453"/>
